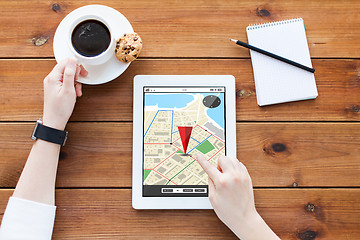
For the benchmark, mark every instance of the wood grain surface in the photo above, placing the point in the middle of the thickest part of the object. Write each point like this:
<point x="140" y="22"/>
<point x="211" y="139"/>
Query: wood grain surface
<point x="293" y="214"/>
<point x="276" y="154"/>
<point x="338" y="83"/>
<point x="187" y="28"/>
<point x="303" y="157"/>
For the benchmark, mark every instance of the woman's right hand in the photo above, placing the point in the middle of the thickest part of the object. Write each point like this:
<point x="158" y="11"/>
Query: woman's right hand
<point x="231" y="195"/>
<point x="60" y="92"/>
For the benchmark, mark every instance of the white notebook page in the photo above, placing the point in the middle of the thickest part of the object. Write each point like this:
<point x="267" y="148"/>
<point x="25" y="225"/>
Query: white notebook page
<point x="276" y="81"/>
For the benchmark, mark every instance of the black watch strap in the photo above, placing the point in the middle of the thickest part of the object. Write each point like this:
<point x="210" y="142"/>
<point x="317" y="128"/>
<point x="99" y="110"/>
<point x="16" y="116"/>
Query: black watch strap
<point x="49" y="134"/>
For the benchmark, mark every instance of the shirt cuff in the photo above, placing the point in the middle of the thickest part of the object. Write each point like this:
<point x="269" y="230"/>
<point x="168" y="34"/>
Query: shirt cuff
<point x="25" y="219"/>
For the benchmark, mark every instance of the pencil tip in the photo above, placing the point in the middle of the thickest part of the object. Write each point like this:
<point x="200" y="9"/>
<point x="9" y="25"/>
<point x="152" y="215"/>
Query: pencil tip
<point x="233" y="40"/>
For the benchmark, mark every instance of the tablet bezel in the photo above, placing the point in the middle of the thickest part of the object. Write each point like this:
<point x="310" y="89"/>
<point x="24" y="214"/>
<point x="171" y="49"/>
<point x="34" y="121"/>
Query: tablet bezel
<point x="141" y="81"/>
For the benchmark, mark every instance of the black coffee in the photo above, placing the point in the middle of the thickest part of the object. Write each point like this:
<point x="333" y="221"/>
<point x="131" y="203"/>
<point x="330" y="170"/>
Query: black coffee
<point x="90" y="38"/>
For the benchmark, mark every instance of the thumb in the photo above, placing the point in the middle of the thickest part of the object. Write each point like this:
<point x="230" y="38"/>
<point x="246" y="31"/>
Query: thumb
<point x="69" y="75"/>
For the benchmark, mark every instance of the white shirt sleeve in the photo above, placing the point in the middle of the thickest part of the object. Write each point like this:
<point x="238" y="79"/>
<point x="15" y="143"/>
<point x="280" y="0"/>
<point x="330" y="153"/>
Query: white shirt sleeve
<point x="27" y="220"/>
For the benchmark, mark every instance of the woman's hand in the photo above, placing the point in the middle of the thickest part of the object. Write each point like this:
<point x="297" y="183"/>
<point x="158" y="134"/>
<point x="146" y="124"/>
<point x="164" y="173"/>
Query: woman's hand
<point x="230" y="189"/>
<point x="60" y="92"/>
<point x="231" y="195"/>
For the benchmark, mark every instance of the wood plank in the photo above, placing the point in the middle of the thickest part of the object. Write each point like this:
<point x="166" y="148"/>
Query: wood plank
<point x="338" y="84"/>
<point x="187" y="28"/>
<point x="293" y="214"/>
<point x="276" y="154"/>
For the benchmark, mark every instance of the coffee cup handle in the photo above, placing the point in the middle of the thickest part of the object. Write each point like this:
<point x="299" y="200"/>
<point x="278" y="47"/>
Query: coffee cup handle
<point x="80" y="62"/>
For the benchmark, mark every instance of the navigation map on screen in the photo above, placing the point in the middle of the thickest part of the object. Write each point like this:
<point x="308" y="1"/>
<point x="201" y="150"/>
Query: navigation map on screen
<point x="180" y="123"/>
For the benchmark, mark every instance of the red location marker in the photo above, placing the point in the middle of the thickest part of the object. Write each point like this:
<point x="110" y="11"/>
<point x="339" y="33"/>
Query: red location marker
<point x="185" y="133"/>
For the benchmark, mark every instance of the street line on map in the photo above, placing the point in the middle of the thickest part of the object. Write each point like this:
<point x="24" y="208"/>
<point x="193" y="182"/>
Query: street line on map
<point x="164" y="177"/>
<point x="156" y="143"/>
<point x="183" y="168"/>
<point x="218" y="139"/>
<point x="165" y="143"/>
<point x="193" y="162"/>
<point x="180" y="172"/>
<point x="151" y="122"/>
<point x="200" y="134"/>
<point x="172" y="122"/>
<point x="200" y="143"/>
<point x="166" y="159"/>
<point x="187" y="115"/>
<point x="195" y="139"/>
<point x="197" y="118"/>
<point x="175" y="141"/>
<point x="216" y="153"/>
<point x="209" y="133"/>
<point x="181" y="150"/>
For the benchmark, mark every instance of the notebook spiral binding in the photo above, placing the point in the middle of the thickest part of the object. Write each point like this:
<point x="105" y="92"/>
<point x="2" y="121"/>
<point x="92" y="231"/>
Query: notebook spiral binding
<point x="270" y="24"/>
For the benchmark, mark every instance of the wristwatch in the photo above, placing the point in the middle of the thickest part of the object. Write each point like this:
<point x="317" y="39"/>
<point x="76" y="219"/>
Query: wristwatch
<point x="49" y="134"/>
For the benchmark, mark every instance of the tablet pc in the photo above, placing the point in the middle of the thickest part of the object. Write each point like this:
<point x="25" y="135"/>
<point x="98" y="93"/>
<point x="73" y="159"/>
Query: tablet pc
<point x="175" y="118"/>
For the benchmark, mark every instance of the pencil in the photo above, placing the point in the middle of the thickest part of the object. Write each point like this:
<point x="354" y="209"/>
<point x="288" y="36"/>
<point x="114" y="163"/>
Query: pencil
<point x="273" y="55"/>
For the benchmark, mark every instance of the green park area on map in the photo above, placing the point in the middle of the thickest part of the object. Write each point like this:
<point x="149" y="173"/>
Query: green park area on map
<point x="205" y="147"/>
<point x="146" y="173"/>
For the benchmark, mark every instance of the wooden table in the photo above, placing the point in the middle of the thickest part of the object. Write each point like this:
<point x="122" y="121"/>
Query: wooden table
<point x="304" y="157"/>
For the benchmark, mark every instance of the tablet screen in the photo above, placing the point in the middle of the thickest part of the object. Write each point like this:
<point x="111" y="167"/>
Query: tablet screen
<point x="179" y="123"/>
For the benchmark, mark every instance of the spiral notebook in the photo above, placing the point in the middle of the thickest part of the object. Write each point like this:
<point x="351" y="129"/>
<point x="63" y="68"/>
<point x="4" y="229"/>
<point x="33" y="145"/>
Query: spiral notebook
<point x="276" y="81"/>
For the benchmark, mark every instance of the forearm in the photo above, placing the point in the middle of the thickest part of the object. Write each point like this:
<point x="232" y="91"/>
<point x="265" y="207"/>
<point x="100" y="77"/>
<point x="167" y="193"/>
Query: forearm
<point x="37" y="181"/>
<point x="254" y="228"/>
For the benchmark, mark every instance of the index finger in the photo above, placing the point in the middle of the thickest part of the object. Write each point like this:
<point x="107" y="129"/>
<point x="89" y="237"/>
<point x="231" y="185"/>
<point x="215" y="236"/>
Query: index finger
<point x="60" y="67"/>
<point x="69" y="75"/>
<point x="225" y="163"/>
<point x="210" y="169"/>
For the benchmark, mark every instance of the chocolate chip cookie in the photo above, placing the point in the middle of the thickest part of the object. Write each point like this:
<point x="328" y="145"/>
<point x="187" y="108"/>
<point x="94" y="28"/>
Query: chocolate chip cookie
<point x="128" y="47"/>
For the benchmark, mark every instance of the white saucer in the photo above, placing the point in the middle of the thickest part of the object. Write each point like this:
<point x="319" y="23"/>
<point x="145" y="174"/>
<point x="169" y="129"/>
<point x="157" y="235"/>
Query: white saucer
<point x="119" y="25"/>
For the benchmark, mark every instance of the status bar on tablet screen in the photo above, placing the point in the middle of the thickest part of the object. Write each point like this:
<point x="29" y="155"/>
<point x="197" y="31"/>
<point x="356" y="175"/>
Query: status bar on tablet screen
<point x="184" y="89"/>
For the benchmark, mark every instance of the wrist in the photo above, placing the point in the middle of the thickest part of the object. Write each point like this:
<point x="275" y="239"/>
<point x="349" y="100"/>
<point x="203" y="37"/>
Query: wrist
<point x="247" y="226"/>
<point x="53" y="123"/>
<point x="254" y="227"/>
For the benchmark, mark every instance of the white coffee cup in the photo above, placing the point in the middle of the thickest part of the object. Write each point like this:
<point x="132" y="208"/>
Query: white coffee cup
<point x="91" y="60"/>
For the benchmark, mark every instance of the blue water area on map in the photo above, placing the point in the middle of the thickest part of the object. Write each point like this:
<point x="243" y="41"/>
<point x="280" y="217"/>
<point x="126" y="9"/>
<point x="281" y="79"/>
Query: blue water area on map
<point x="218" y="113"/>
<point x="178" y="100"/>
